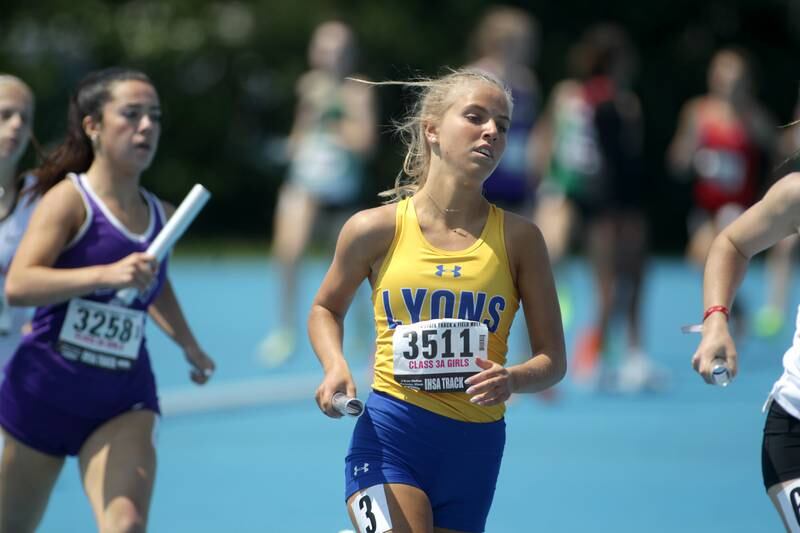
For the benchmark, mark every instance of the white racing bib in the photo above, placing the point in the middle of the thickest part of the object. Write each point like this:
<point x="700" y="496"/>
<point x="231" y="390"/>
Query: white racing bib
<point x="103" y="335"/>
<point x="371" y="510"/>
<point x="788" y="498"/>
<point x="438" y="355"/>
<point x="725" y="168"/>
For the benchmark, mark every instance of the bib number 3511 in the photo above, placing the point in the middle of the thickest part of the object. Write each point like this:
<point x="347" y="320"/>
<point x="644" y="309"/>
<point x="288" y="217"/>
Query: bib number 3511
<point x="438" y="355"/>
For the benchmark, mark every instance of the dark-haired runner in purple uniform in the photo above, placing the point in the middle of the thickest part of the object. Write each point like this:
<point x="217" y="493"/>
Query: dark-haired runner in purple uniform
<point x="81" y="383"/>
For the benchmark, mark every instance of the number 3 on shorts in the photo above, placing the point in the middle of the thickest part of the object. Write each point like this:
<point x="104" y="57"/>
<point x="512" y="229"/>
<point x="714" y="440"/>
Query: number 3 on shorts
<point x="371" y="510"/>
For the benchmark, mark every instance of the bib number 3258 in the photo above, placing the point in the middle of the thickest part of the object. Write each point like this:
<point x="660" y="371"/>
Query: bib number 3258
<point x="438" y="355"/>
<point x="101" y="334"/>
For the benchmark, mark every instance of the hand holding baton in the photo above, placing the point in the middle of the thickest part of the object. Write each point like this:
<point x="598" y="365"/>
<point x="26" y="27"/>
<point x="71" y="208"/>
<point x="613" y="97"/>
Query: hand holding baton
<point x="720" y="375"/>
<point x="347" y="406"/>
<point x="170" y="233"/>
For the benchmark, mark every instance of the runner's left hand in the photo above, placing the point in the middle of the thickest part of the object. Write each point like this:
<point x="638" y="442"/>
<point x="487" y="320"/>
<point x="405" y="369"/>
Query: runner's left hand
<point x="492" y="386"/>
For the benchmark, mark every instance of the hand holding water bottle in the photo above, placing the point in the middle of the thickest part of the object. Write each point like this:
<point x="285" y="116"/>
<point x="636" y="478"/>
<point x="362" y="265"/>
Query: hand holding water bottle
<point x="716" y="359"/>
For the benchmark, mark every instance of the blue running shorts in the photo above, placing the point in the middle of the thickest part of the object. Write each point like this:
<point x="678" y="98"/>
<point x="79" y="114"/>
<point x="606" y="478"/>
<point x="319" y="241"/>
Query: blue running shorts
<point x="455" y="463"/>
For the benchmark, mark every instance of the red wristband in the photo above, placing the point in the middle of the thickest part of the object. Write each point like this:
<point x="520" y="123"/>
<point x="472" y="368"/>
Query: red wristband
<point x="716" y="309"/>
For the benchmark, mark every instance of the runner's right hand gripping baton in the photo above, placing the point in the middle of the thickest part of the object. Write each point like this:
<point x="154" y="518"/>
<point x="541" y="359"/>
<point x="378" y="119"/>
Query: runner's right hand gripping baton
<point x="347" y="406"/>
<point x="170" y="233"/>
<point x="720" y="375"/>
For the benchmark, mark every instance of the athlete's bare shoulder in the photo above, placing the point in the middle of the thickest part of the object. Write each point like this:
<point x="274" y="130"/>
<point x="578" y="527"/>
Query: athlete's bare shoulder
<point x="520" y="229"/>
<point x="65" y="190"/>
<point x="374" y="224"/>
<point x="785" y="193"/>
<point x="64" y="202"/>
<point x="60" y="212"/>
<point x="525" y="244"/>
<point x="366" y="237"/>
<point x="790" y="180"/>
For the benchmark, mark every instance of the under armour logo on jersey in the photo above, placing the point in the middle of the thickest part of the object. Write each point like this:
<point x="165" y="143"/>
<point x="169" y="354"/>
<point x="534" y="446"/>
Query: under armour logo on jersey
<point x="364" y="469"/>
<point x="456" y="270"/>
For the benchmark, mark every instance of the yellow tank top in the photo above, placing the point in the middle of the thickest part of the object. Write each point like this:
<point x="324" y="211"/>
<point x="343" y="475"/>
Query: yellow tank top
<point x="419" y="282"/>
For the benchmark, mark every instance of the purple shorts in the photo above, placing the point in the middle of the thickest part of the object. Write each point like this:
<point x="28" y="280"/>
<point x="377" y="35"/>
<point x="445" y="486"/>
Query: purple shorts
<point x="48" y="429"/>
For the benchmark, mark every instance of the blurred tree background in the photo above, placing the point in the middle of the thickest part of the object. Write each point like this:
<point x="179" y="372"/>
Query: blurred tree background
<point x="226" y="71"/>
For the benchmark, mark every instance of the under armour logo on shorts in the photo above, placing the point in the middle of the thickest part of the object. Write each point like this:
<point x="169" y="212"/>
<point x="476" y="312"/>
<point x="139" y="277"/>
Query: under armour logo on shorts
<point x="364" y="469"/>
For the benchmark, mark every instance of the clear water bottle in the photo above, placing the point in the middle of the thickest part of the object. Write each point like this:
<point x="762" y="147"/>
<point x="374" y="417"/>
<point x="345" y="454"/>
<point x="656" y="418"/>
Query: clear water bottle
<point x="719" y="373"/>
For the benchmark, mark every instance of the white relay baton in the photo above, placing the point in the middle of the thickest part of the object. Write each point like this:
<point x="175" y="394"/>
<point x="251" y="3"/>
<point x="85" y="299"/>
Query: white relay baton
<point x="347" y="406"/>
<point x="170" y="233"/>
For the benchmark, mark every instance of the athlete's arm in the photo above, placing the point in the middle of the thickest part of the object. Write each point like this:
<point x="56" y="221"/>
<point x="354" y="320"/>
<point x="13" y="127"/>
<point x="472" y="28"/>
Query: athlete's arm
<point x="166" y="312"/>
<point x="534" y="278"/>
<point x="357" y="127"/>
<point x="684" y="143"/>
<point x="764" y="128"/>
<point x="55" y="221"/>
<point x="533" y="169"/>
<point x="530" y="266"/>
<point x="304" y="112"/>
<point x="543" y="137"/>
<point x="776" y="216"/>
<point x="362" y="241"/>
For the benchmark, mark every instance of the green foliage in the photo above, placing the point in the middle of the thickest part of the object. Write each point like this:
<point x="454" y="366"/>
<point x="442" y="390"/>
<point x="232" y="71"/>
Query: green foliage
<point x="226" y="70"/>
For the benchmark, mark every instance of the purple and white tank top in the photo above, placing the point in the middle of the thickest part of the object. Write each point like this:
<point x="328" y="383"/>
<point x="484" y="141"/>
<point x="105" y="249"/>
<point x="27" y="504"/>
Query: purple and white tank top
<point x="93" y="330"/>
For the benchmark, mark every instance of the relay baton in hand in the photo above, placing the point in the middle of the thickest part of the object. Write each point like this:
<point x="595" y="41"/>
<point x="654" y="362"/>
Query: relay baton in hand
<point x="346" y="405"/>
<point x="720" y="375"/>
<point x="170" y="233"/>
